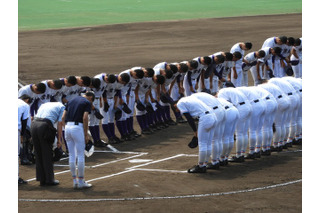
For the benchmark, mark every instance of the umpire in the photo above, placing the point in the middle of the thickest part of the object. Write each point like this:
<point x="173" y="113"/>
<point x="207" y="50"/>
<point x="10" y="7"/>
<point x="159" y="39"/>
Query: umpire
<point x="43" y="135"/>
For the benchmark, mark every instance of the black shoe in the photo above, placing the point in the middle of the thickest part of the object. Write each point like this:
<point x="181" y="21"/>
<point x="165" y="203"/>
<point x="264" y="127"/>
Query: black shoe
<point x="99" y="143"/>
<point x="257" y="154"/>
<point x="125" y="138"/>
<point x="226" y="162"/>
<point x="21" y="181"/>
<point x="171" y="122"/>
<point x="181" y="120"/>
<point x="250" y="156"/>
<point x="236" y="159"/>
<point x="54" y="183"/>
<point x="213" y="166"/>
<point x="285" y="146"/>
<point x="135" y="134"/>
<point x="64" y="155"/>
<point x="26" y="162"/>
<point x="296" y="142"/>
<point x="146" y="132"/>
<point x="197" y="169"/>
<point x="275" y="149"/>
<point x="165" y="124"/>
<point x="289" y="144"/>
<point x="266" y="153"/>
<point x="222" y="163"/>
<point x="116" y="140"/>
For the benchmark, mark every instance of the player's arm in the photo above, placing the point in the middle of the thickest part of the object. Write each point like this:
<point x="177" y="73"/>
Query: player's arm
<point x="235" y="74"/>
<point x="85" y="126"/>
<point x="136" y="92"/>
<point x="258" y="69"/>
<point x="191" y="123"/>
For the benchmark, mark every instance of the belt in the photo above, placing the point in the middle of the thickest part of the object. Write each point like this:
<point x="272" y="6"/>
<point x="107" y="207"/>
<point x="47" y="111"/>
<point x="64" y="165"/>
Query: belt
<point x="74" y="123"/>
<point x="267" y="98"/>
<point x="216" y="107"/>
<point x="226" y="107"/>
<point x="97" y="97"/>
<point x="45" y="120"/>
<point x="300" y="90"/>
<point x="242" y="103"/>
<point x="280" y="96"/>
<point x="204" y="113"/>
<point x="256" y="101"/>
<point x="290" y="93"/>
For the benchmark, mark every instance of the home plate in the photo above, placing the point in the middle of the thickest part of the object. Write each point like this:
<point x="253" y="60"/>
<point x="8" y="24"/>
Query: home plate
<point x="139" y="160"/>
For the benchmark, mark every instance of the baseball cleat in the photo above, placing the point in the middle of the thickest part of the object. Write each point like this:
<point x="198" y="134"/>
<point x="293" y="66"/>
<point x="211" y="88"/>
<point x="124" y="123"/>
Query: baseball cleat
<point x="257" y="154"/>
<point x="250" y="156"/>
<point x="197" y="169"/>
<point x="236" y="159"/>
<point x="266" y="153"/>
<point x="84" y="185"/>
<point x="21" y="181"/>
<point x="213" y="166"/>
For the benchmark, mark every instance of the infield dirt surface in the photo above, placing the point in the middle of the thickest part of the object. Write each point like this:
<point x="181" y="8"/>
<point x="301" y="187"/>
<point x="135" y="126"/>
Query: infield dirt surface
<point x="89" y="51"/>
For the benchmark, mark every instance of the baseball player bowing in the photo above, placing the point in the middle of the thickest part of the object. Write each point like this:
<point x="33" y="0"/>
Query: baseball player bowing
<point x="242" y="47"/>
<point x="269" y="116"/>
<point x="106" y="110"/>
<point x="192" y="107"/>
<point x="219" y="111"/>
<point x="76" y="119"/>
<point x="290" y="120"/>
<point x="231" y="119"/>
<point x="283" y="103"/>
<point x="256" y="121"/>
<point x="94" y="121"/>
<point x="240" y="101"/>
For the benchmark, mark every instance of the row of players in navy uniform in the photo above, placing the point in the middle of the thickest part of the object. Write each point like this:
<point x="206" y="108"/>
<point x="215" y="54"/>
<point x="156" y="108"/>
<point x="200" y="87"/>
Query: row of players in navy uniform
<point x="150" y="92"/>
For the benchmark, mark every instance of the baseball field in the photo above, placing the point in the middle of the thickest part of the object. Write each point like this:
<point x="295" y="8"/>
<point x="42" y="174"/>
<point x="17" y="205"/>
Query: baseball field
<point x="61" y="38"/>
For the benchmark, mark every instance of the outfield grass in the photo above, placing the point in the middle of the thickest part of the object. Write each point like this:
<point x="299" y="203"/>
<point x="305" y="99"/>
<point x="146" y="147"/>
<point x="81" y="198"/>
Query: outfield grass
<point x="48" y="14"/>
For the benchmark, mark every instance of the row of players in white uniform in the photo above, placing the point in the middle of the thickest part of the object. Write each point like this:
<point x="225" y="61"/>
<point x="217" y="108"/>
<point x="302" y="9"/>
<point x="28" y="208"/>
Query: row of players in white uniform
<point x="141" y="88"/>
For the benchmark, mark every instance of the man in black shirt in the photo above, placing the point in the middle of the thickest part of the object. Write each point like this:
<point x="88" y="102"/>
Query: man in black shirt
<point x="76" y="134"/>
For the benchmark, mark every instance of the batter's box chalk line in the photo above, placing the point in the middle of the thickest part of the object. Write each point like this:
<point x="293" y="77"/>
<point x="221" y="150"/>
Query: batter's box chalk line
<point x="166" y="197"/>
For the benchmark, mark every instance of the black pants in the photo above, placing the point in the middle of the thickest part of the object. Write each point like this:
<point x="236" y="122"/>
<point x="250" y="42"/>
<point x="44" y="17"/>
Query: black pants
<point x="43" y="138"/>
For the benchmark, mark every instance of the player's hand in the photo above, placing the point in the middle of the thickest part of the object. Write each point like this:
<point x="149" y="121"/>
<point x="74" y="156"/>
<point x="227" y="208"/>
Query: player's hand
<point x="59" y="144"/>
<point x="87" y="138"/>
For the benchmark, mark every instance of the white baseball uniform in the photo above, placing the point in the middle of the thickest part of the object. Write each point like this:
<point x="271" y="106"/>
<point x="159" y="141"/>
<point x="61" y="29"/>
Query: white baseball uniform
<point x="231" y="119"/>
<point x="297" y="69"/>
<point x="219" y="111"/>
<point x="240" y="101"/>
<point x="238" y="66"/>
<point x="290" y="120"/>
<point x="207" y="121"/>
<point x="282" y="112"/>
<point x="269" y="116"/>
<point x="256" y="118"/>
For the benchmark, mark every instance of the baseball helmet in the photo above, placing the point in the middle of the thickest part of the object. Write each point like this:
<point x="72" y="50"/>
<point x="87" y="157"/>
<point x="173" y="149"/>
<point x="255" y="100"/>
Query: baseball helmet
<point x="117" y="114"/>
<point x="125" y="108"/>
<point x="98" y="114"/>
<point x="193" y="143"/>
<point x="89" y="149"/>
<point x="288" y="70"/>
<point x="57" y="154"/>
<point x="149" y="107"/>
<point x="140" y="105"/>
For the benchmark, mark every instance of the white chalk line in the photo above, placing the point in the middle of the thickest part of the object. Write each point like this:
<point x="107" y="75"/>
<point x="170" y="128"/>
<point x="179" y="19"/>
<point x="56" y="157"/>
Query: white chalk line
<point x="136" y="154"/>
<point x="165" y="197"/>
<point x="160" y="170"/>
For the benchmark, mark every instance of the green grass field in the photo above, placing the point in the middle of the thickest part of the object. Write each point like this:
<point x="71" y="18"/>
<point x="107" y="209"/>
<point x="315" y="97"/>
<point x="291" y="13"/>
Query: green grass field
<point x="49" y="14"/>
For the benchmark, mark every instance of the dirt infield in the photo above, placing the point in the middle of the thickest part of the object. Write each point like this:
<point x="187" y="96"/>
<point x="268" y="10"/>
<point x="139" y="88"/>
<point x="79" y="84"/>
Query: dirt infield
<point x="159" y="182"/>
